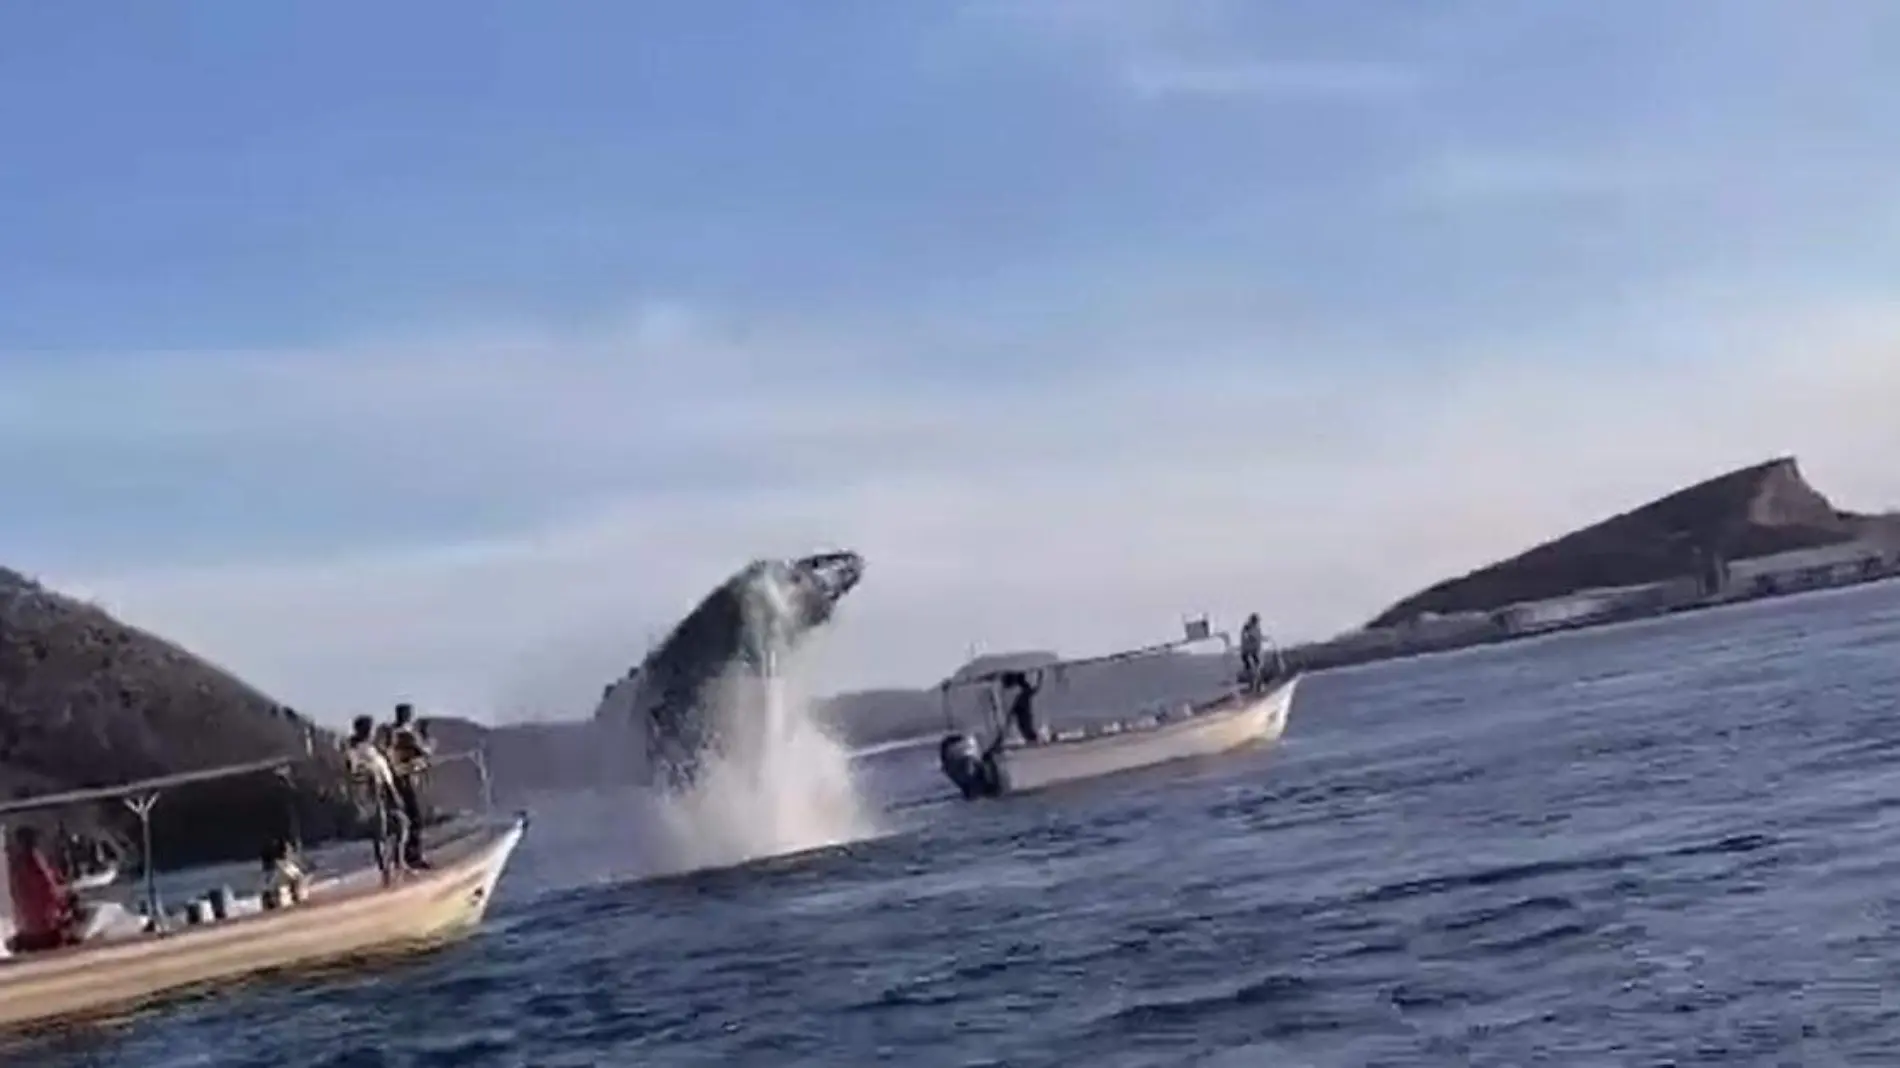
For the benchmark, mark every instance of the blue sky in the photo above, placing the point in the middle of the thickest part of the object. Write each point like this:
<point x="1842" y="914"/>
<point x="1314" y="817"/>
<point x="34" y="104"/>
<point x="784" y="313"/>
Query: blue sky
<point x="449" y="349"/>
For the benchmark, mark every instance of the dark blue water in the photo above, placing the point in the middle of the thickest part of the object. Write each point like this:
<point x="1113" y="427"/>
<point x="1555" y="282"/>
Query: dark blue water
<point x="1670" y="843"/>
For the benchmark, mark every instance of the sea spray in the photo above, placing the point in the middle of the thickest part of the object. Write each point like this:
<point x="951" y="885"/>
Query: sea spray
<point x="792" y="794"/>
<point x="777" y="782"/>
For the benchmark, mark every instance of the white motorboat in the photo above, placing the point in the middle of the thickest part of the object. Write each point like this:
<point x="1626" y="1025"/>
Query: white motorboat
<point x="1252" y="713"/>
<point x="1207" y="729"/>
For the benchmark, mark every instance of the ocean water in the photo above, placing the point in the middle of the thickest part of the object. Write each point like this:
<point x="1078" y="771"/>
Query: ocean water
<point x="1676" y="842"/>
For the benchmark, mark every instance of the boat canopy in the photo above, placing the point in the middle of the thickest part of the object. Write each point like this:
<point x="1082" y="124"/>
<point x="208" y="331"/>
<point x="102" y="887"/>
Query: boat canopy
<point x="150" y="788"/>
<point x="144" y="787"/>
<point x="1194" y="632"/>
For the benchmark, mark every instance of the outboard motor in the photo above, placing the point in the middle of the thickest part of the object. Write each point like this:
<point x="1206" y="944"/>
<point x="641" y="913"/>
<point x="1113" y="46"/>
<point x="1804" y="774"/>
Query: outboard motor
<point x="975" y="772"/>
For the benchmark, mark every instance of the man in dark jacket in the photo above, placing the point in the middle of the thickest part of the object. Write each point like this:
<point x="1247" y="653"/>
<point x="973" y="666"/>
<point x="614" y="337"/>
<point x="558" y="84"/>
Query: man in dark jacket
<point x="1022" y="708"/>
<point x="1251" y="643"/>
<point x="409" y="752"/>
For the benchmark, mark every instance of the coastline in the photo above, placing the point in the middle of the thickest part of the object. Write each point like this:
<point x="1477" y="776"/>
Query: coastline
<point x="1353" y="650"/>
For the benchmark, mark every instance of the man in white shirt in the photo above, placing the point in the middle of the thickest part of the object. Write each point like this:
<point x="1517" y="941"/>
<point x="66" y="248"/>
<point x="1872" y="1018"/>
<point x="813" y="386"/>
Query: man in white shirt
<point x="376" y="785"/>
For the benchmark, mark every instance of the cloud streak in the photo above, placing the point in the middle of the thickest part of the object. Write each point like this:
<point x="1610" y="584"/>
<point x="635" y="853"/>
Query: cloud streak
<point x="1305" y="80"/>
<point x="1486" y="179"/>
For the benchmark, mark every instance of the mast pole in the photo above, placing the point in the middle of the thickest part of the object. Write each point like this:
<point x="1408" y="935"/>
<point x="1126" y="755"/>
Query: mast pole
<point x="141" y="807"/>
<point x="294" y="823"/>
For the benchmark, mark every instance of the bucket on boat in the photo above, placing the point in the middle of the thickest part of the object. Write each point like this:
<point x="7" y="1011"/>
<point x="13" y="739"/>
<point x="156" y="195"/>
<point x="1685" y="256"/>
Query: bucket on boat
<point x="219" y="902"/>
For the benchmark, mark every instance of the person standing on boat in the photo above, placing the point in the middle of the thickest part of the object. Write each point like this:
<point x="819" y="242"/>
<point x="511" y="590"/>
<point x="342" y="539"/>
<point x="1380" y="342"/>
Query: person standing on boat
<point x="45" y="910"/>
<point x="1022" y="707"/>
<point x="376" y="783"/>
<point x="409" y="752"/>
<point x="1251" y="644"/>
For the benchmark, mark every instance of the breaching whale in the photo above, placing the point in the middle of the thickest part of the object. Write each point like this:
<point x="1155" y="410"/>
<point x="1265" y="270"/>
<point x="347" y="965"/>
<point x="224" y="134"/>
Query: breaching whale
<point x="666" y="710"/>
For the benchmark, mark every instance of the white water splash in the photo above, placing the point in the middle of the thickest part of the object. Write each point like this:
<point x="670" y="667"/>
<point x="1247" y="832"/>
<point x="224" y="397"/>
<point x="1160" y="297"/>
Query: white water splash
<point x="780" y="785"/>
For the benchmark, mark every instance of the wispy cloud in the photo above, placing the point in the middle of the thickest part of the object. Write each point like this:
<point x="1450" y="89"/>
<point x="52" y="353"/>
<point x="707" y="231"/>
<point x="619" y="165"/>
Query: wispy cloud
<point x="1194" y="49"/>
<point x="1487" y="178"/>
<point x="1261" y="79"/>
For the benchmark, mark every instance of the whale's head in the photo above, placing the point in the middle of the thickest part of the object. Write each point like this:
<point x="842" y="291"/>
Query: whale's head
<point x="819" y="582"/>
<point x="784" y="601"/>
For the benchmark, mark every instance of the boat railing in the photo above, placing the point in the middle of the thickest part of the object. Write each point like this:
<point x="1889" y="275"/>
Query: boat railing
<point x="478" y="758"/>
<point x="140" y="798"/>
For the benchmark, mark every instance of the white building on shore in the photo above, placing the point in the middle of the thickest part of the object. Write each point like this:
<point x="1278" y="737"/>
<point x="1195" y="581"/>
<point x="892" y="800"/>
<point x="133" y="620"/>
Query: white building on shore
<point x="1827" y="565"/>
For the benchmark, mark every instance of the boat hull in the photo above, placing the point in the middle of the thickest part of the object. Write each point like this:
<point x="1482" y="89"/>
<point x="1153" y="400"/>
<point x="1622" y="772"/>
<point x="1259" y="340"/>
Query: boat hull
<point x="1227" y="724"/>
<point x="351" y="917"/>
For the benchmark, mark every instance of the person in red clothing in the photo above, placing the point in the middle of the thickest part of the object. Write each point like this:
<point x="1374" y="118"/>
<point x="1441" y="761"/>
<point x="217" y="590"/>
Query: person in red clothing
<point x="45" y="913"/>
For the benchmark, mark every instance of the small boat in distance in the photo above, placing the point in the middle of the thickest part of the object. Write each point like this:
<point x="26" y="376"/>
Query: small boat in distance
<point x="140" y="959"/>
<point x="1252" y="712"/>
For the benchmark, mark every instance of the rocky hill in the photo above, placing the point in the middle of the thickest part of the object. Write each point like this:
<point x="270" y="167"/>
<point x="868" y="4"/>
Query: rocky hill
<point x="87" y="701"/>
<point x="1756" y="511"/>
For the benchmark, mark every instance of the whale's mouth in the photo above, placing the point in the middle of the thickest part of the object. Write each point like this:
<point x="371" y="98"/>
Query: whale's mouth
<point x="832" y="575"/>
<point x="816" y="584"/>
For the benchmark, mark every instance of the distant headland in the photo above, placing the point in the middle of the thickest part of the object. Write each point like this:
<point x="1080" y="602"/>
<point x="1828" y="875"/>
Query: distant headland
<point x="1755" y="512"/>
<point x="1759" y="531"/>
